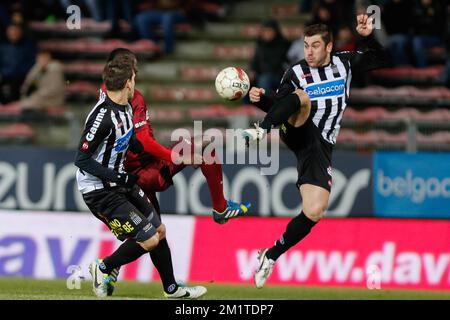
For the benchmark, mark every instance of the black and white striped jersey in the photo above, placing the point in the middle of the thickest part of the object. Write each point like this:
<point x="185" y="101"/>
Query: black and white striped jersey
<point x="328" y="87"/>
<point x="106" y="138"/>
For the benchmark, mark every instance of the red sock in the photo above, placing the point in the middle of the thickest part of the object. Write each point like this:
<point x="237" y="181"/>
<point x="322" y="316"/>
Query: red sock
<point x="213" y="175"/>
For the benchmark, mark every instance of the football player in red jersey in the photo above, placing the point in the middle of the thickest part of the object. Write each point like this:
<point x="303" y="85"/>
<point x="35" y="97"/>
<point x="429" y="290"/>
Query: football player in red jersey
<point x="156" y="168"/>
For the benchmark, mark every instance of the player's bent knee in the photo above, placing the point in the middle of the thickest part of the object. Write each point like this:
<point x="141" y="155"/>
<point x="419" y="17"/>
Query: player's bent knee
<point x="315" y="212"/>
<point x="161" y="231"/>
<point x="150" y="243"/>
<point x="304" y="98"/>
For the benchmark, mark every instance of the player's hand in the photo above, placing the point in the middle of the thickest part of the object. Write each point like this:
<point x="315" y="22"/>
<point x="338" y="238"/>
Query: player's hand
<point x="127" y="179"/>
<point x="365" y="25"/>
<point x="255" y="94"/>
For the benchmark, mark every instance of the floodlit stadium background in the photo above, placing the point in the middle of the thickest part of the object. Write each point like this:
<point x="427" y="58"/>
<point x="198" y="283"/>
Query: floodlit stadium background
<point x="388" y="220"/>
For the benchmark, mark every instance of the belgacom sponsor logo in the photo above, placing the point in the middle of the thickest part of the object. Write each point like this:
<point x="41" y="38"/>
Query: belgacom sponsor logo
<point x="416" y="188"/>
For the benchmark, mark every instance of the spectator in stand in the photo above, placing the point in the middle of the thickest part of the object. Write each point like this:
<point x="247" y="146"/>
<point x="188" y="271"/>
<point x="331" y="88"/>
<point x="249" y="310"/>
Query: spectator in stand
<point x="322" y="13"/>
<point x="428" y="26"/>
<point x="116" y="9"/>
<point x="296" y="52"/>
<point x="305" y="6"/>
<point x="4" y="21"/>
<point x="446" y="72"/>
<point x="397" y="29"/>
<point x="17" y="56"/>
<point x="165" y="14"/>
<point x="94" y="7"/>
<point x="332" y="13"/>
<point x="269" y="60"/>
<point x="345" y="40"/>
<point x="44" y="85"/>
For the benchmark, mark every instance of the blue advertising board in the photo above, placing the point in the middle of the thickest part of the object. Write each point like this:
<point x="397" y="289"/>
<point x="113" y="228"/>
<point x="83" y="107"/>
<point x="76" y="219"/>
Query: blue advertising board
<point x="412" y="185"/>
<point x="44" y="179"/>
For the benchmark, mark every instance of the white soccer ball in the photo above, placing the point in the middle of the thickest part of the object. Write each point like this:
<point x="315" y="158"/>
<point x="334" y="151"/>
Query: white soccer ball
<point x="232" y="83"/>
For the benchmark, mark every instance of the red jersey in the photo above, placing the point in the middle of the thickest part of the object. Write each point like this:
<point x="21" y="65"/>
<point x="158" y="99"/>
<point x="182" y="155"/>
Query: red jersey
<point x="144" y="133"/>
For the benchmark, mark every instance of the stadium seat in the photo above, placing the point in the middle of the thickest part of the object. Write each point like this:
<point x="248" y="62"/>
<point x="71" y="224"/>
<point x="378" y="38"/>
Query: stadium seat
<point x="252" y="30"/>
<point x="17" y="133"/>
<point x="82" y="91"/>
<point x="167" y="114"/>
<point x="436" y="138"/>
<point x="369" y="114"/>
<point x="404" y="95"/>
<point x="85" y="47"/>
<point x="198" y="94"/>
<point x="199" y="72"/>
<point x="234" y="51"/>
<point x="285" y="10"/>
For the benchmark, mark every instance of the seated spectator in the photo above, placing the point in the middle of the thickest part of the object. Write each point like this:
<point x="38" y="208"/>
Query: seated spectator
<point x="94" y="7"/>
<point x="268" y="63"/>
<point x="332" y="13"/>
<point x="428" y="25"/>
<point x="4" y="21"/>
<point x="296" y="51"/>
<point x="44" y="85"/>
<point x="446" y="72"/>
<point x="345" y="40"/>
<point x="397" y="30"/>
<point x="165" y="14"/>
<point x="305" y="6"/>
<point x="116" y="9"/>
<point x="17" y="56"/>
<point x="322" y="13"/>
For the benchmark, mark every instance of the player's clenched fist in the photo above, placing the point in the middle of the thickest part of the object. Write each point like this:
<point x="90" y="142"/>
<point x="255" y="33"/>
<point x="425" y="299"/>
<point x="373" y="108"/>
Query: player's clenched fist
<point x="255" y="94"/>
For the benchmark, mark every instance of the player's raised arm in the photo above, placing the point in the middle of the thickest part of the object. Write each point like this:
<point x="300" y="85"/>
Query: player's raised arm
<point x="370" y="53"/>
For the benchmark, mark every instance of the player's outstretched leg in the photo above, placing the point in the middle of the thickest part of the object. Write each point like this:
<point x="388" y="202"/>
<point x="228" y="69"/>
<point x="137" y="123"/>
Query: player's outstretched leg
<point x="233" y="210"/>
<point x="223" y="209"/>
<point x="265" y="268"/>
<point x="298" y="228"/>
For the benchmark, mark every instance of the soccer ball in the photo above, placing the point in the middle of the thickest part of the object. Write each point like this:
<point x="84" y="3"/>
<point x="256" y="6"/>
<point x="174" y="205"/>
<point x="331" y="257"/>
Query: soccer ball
<point x="232" y="83"/>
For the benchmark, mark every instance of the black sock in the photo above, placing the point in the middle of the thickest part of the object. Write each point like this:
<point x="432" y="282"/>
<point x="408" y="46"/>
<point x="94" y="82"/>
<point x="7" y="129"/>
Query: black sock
<point x="281" y="111"/>
<point x="129" y="251"/>
<point x="296" y="230"/>
<point x="162" y="259"/>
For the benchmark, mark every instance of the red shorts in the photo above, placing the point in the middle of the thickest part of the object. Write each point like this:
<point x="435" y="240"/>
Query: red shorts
<point x="155" y="175"/>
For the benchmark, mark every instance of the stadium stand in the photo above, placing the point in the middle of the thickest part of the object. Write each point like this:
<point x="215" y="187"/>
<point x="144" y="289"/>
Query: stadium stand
<point x="180" y="87"/>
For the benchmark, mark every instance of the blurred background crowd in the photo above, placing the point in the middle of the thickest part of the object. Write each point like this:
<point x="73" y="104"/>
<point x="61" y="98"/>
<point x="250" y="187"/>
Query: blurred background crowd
<point x="50" y="73"/>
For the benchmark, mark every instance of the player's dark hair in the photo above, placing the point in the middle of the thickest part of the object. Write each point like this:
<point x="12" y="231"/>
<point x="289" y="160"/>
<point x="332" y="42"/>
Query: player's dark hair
<point x="118" y="71"/>
<point x="119" y="52"/>
<point x="320" y="28"/>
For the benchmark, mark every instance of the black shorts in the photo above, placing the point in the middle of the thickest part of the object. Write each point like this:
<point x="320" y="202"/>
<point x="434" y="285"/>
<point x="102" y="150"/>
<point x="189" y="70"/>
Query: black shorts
<point x="127" y="212"/>
<point x="313" y="153"/>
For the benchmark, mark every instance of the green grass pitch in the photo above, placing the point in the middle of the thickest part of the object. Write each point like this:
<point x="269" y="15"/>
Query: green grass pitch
<point x="19" y="288"/>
